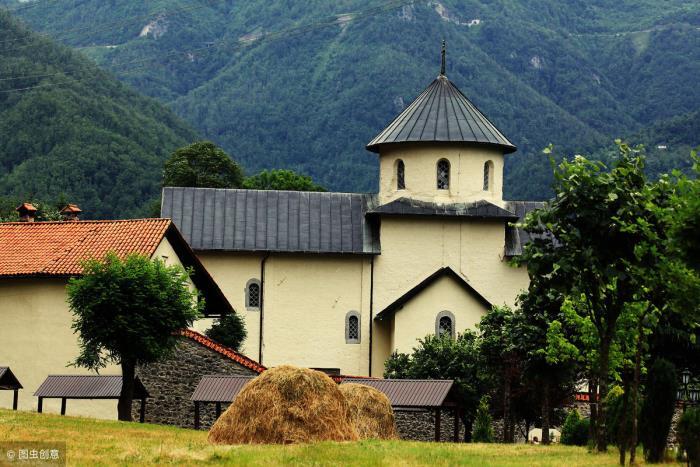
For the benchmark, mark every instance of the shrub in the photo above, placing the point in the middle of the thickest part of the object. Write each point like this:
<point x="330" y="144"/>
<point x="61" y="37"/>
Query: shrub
<point x="483" y="423"/>
<point x="614" y="403"/>
<point x="575" y="429"/>
<point x="689" y="435"/>
<point x="229" y="331"/>
<point x="657" y="410"/>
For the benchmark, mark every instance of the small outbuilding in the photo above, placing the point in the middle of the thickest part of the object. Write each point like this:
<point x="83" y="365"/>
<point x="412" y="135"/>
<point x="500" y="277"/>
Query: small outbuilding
<point x="9" y="382"/>
<point x="90" y="387"/>
<point x="217" y="390"/>
<point x="421" y="407"/>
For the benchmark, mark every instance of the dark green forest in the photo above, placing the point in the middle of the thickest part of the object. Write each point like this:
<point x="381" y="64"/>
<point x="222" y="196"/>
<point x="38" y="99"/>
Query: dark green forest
<point x="572" y="73"/>
<point x="90" y="140"/>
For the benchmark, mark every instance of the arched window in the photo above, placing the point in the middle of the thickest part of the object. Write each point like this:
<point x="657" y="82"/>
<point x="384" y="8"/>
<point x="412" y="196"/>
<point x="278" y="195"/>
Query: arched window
<point x="488" y="173"/>
<point x="443" y="174"/>
<point x="445" y="324"/>
<point x="400" y="175"/>
<point x="252" y="295"/>
<point x="352" y="327"/>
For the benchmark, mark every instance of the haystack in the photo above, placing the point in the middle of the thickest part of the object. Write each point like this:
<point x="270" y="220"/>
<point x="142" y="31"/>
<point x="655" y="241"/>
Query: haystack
<point x="370" y="411"/>
<point x="286" y="405"/>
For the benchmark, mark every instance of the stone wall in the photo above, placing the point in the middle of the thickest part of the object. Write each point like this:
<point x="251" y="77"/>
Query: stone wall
<point x="171" y="382"/>
<point x="420" y="425"/>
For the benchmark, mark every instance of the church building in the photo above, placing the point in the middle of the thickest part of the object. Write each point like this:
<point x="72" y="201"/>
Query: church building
<point x="339" y="281"/>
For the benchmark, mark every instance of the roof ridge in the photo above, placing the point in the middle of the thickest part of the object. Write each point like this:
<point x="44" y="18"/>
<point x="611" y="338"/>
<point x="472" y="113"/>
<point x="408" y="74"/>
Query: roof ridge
<point x="87" y="221"/>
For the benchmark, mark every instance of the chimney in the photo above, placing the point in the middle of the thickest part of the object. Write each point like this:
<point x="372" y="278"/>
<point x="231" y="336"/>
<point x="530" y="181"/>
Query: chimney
<point x="26" y="211"/>
<point x="71" y="212"/>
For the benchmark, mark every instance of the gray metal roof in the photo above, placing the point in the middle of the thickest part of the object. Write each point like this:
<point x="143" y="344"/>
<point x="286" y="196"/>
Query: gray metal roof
<point x="219" y="388"/>
<point x="441" y="113"/>
<point x="517" y="238"/>
<point x="8" y="380"/>
<point x="410" y="393"/>
<point x="412" y="207"/>
<point x="277" y="221"/>
<point x="86" y="387"/>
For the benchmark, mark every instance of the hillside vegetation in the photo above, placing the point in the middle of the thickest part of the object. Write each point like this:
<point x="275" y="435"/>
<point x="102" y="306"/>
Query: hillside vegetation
<point x="78" y="133"/>
<point x="576" y="74"/>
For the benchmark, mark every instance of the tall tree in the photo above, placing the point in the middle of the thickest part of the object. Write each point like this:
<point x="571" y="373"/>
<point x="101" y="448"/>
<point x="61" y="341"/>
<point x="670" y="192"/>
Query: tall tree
<point x="203" y="165"/>
<point x="126" y="311"/>
<point x="586" y="242"/>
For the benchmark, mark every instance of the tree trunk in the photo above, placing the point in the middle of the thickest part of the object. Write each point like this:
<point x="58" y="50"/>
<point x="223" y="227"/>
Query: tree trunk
<point x="468" y="425"/>
<point x="593" y="405"/>
<point x="635" y="395"/>
<point x="127" y="395"/>
<point x="507" y="422"/>
<point x="603" y="369"/>
<point x="545" y="412"/>
<point x="622" y="435"/>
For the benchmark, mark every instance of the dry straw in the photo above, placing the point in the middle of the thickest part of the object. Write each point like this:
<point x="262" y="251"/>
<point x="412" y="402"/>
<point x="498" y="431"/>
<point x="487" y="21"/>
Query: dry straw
<point x="370" y="411"/>
<point x="286" y="405"/>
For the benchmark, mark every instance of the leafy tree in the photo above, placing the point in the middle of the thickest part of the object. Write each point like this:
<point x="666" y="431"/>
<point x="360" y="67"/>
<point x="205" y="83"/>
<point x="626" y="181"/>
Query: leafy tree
<point x="126" y="311"/>
<point x="229" y="331"/>
<point x="483" y="424"/>
<point x="281" y="180"/>
<point x="658" y="408"/>
<point x="444" y="358"/>
<point x="204" y="165"/>
<point x="575" y="429"/>
<point x="596" y="241"/>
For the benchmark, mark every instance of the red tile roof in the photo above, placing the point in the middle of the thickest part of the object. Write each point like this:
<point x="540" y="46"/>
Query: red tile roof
<point x="225" y="351"/>
<point x="58" y="248"/>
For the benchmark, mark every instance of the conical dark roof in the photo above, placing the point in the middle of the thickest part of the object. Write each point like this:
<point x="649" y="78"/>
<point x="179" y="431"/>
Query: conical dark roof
<point x="441" y="113"/>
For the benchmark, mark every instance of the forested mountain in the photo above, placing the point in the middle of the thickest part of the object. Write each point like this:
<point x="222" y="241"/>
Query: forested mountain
<point x="305" y="84"/>
<point x="77" y="133"/>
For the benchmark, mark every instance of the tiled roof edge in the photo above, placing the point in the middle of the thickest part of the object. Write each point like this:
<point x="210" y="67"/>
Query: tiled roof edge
<point x="223" y="350"/>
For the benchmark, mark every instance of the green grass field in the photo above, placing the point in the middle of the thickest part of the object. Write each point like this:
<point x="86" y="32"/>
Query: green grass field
<point x="98" y="442"/>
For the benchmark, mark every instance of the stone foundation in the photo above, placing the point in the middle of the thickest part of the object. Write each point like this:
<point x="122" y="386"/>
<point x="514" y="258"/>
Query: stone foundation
<point x="420" y="425"/>
<point x="171" y="382"/>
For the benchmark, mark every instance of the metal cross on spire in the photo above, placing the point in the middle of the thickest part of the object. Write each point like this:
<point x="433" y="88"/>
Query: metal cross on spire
<point x="444" y="50"/>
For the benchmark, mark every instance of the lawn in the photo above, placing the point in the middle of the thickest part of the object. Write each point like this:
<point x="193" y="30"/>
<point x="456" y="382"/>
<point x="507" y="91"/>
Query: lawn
<point x="99" y="442"/>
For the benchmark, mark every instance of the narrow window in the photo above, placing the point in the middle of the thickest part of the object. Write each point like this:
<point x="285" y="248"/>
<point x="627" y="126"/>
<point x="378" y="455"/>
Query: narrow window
<point x="445" y="325"/>
<point x="352" y="328"/>
<point x="443" y="174"/>
<point x="400" y="175"/>
<point x="252" y="295"/>
<point x="488" y="170"/>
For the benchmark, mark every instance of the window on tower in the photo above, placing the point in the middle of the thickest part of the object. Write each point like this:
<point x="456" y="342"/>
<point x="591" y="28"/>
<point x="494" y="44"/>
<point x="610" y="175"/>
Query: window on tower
<point x="488" y="173"/>
<point x="400" y="175"/>
<point x="443" y="174"/>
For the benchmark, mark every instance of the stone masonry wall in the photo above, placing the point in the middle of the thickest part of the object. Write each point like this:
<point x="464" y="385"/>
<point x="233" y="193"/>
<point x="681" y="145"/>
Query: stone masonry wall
<point x="420" y="425"/>
<point x="171" y="382"/>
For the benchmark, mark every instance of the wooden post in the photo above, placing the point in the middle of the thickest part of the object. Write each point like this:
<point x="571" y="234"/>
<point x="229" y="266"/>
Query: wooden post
<point x="63" y="406"/>
<point x="455" y="437"/>
<point x="41" y="403"/>
<point x="196" y="415"/>
<point x="142" y="415"/>
<point x="437" y="425"/>
<point x="218" y="410"/>
<point x="15" y="396"/>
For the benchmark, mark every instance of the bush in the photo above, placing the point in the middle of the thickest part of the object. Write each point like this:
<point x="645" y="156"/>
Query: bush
<point x="483" y="423"/>
<point x="575" y="429"/>
<point x="689" y="435"/>
<point x="614" y="415"/>
<point x="657" y="410"/>
<point x="229" y="331"/>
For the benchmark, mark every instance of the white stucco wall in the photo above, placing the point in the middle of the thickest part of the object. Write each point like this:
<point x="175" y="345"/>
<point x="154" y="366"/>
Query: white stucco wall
<point x="466" y="173"/>
<point x="417" y="317"/>
<point x="36" y="340"/>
